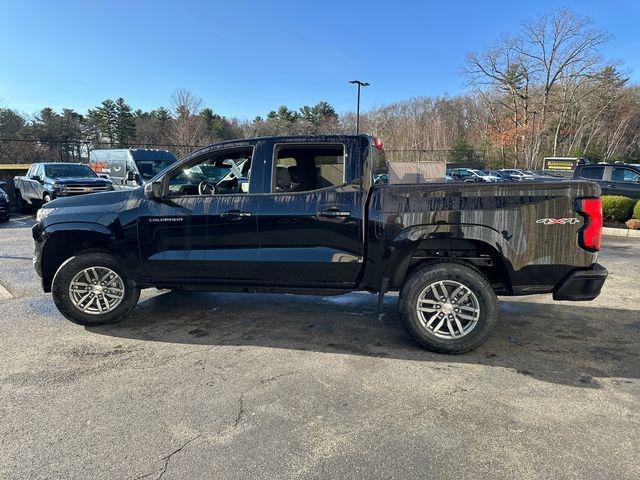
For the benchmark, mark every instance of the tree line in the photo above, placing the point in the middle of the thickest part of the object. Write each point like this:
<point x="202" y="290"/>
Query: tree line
<point x="544" y="91"/>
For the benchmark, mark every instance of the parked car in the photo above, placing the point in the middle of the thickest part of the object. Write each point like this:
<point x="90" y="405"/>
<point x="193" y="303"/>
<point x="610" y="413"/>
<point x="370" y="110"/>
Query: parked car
<point x="506" y="177"/>
<point x="472" y="175"/>
<point x="312" y="221"/>
<point x="5" y="210"/>
<point x="46" y="181"/>
<point x="517" y="174"/>
<point x="613" y="179"/>
<point x="130" y="167"/>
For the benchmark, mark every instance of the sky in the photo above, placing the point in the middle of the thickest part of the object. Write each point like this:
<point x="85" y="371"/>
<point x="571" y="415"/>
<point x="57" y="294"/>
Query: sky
<point x="245" y="58"/>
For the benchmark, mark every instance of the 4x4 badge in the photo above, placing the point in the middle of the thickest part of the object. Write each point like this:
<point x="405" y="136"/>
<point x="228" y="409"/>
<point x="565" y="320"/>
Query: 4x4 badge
<point x="557" y="221"/>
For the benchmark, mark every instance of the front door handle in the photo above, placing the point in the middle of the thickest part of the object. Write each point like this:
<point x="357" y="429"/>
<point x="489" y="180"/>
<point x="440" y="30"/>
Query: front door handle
<point x="235" y="214"/>
<point x="334" y="212"/>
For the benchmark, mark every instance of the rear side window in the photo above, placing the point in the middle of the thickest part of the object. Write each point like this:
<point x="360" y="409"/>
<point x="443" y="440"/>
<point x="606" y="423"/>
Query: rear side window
<point x="592" y="173"/>
<point x="301" y="168"/>
<point x="624" y="175"/>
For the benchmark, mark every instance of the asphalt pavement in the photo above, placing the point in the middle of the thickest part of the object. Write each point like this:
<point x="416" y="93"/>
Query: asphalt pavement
<point x="233" y="386"/>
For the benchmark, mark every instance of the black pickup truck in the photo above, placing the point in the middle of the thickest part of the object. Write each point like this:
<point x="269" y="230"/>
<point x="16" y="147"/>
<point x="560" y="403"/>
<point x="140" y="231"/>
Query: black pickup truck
<point x="302" y="215"/>
<point x="47" y="181"/>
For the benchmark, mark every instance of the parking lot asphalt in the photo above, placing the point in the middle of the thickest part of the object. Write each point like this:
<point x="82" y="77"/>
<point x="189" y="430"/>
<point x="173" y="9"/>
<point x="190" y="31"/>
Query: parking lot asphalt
<point x="231" y="386"/>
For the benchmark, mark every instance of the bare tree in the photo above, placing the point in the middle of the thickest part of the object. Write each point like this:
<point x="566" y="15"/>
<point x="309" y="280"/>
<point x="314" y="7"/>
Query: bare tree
<point x="188" y="128"/>
<point x="529" y="70"/>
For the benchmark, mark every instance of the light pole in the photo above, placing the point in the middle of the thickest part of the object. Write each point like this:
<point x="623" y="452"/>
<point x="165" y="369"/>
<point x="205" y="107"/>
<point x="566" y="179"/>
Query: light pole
<point x="360" y="84"/>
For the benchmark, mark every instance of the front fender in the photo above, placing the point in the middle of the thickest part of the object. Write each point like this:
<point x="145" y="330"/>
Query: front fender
<point x="58" y="242"/>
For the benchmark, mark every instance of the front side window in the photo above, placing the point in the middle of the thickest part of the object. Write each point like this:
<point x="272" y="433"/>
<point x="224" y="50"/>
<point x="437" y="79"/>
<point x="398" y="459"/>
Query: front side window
<point x="592" y="173"/>
<point x="218" y="173"/>
<point x="301" y="168"/>
<point x="624" y="175"/>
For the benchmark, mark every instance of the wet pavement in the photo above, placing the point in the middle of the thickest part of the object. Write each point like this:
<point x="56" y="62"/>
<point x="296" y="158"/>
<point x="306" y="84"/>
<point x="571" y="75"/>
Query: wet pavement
<point x="233" y="386"/>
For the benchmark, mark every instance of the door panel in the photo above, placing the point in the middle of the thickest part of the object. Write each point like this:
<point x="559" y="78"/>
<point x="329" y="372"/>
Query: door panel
<point x="196" y="238"/>
<point x="624" y="182"/>
<point x="311" y="238"/>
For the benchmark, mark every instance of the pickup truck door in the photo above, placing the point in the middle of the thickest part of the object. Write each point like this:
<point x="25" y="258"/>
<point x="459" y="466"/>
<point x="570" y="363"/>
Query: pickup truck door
<point x="34" y="187"/>
<point x="625" y="182"/>
<point x="209" y="238"/>
<point x="310" y="221"/>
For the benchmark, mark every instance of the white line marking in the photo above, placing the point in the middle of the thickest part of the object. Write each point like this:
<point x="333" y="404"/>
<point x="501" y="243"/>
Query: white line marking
<point x="5" y="294"/>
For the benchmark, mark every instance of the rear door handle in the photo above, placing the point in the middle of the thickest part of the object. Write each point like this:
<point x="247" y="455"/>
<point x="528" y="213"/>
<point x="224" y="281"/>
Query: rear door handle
<point x="235" y="214"/>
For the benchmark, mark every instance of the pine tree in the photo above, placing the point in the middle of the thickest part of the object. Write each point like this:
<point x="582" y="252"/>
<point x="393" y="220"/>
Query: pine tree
<point x="125" y="126"/>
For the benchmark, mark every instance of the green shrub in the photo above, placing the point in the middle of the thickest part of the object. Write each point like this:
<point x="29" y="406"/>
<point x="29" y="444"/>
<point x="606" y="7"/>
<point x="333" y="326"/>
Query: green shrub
<point x="617" y="208"/>
<point x="636" y="210"/>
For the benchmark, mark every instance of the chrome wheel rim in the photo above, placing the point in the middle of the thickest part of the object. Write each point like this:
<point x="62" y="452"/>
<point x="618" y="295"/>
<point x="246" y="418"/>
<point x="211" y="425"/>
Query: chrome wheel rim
<point x="448" y="309"/>
<point x="96" y="290"/>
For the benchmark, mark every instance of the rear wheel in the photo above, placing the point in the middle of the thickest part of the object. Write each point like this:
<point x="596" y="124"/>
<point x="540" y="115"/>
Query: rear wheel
<point x="448" y="307"/>
<point x="91" y="289"/>
<point x="24" y="206"/>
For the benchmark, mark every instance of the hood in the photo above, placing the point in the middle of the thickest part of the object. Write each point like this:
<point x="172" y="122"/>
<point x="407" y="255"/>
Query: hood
<point x="80" y="181"/>
<point x="101" y="208"/>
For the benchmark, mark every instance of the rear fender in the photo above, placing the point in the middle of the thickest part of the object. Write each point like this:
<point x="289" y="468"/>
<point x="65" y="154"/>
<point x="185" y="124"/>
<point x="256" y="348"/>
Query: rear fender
<point x="447" y="237"/>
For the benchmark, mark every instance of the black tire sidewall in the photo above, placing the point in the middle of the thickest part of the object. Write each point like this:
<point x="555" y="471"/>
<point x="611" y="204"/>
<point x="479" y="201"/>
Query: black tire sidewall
<point x="468" y="276"/>
<point x="66" y="272"/>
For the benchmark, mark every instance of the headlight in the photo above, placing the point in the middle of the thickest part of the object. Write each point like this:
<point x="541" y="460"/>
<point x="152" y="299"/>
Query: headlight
<point x="4" y="196"/>
<point x="43" y="213"/>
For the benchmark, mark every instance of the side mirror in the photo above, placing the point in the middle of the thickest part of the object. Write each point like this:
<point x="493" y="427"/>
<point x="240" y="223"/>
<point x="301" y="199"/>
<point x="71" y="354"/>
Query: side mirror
<point x="153" y="190"/>
<point x="131" y="175"/>
<point x="37" y="178"/>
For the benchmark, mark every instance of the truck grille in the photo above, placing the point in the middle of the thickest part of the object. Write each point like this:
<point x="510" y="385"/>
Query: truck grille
<point x="85" y="188"/>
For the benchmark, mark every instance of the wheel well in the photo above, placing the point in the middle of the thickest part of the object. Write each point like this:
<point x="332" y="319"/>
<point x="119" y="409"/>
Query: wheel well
<point x="58" y="249"/>
<point x="479" y="255"/>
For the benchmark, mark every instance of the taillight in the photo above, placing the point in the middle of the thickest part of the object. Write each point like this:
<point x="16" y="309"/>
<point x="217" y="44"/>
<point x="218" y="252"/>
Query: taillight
<point x="378" y="143"/>
<point x="590" y="235"/>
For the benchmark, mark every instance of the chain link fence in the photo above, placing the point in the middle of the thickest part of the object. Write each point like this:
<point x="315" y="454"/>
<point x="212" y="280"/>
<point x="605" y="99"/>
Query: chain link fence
<point x="25" y="151"/>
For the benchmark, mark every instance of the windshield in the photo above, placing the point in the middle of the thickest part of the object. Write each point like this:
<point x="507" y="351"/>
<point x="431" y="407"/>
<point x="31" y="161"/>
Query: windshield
<point x="150" y="168"/>
<point x="479" y="173"/>
<point x="68" y="170"/>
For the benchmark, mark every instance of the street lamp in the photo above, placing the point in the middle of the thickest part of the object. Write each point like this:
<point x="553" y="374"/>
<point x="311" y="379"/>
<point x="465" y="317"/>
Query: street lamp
<point x="360" y="84"/>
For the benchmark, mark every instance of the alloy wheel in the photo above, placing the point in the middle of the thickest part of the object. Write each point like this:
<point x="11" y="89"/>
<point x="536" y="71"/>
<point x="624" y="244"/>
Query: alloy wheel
<point x="448" y="309"/>
<point x="96" y="290"/>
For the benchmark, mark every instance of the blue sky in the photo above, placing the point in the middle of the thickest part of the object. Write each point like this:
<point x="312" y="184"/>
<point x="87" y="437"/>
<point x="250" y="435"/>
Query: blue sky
<point x="248" y="57"/>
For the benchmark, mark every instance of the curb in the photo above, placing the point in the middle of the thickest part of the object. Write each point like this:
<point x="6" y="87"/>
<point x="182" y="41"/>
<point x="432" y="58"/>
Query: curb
<point x="620" y="232"/>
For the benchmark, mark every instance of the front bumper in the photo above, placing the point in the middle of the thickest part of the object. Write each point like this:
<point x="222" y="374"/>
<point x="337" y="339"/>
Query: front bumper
<point x="581" y="284"/>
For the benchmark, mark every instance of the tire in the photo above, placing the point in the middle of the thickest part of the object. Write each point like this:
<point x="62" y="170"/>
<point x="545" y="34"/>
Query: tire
<point x="46" y="199"/>
<point x="464" y="323"/>
<point x="24" y="206"/>
<point x="66" y="300"/>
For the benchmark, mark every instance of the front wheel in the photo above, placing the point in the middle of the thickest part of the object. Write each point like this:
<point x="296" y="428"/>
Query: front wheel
<point x="91" y="289"/>
<point x="448" y="307"/>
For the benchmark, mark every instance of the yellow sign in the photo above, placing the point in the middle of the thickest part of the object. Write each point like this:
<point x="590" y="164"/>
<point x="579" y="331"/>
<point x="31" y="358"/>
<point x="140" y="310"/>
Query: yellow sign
<point x="564" y="165"/>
